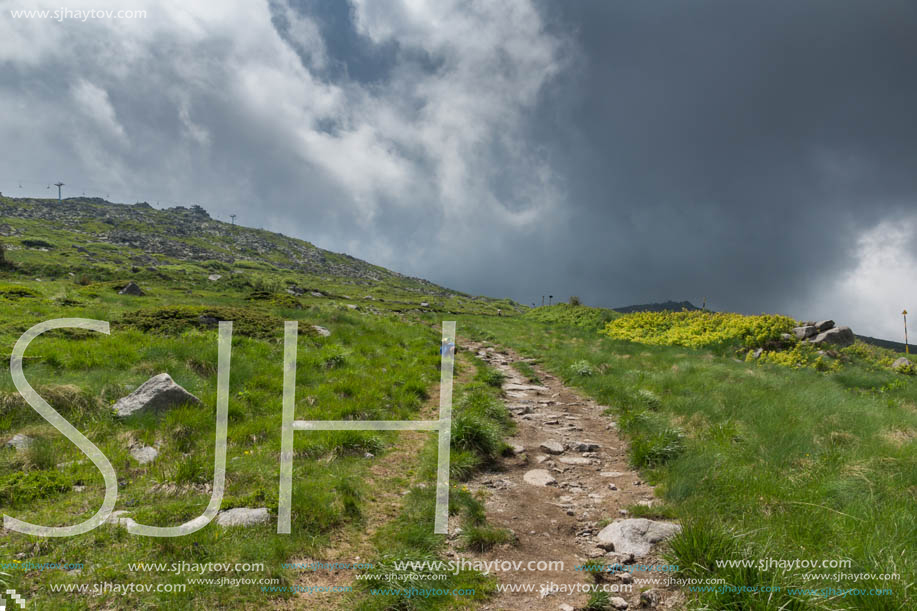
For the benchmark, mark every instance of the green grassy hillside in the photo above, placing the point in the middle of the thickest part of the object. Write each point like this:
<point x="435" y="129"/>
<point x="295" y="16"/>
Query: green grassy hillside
<point x="790" y="455"/>
<point x="758" y="459"/>
<point x="381" y="361"/>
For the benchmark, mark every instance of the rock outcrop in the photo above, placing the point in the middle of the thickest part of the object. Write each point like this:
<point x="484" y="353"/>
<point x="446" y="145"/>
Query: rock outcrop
<point x="835" y="336"/>
<point x="132" y="289"/>
<point x="156" y="394"/>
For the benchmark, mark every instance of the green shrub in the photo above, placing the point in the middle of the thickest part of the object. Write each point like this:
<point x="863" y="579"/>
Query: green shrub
<point x="11" y="291"/>
<point x="174" y="320"/>
<point x="699" y="329"/>
<point x="21" y="488"/>
<point x="655" y="448"/>
<point x="490" y="376"/>
<point x="572" y="315"/>
<point x="483" y="538"/>
<point x="32" y="243"/>
<point x="582" y="369"/>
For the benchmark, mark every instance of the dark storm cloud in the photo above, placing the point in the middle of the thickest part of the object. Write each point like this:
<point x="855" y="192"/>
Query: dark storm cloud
<point x="734" y="150"/>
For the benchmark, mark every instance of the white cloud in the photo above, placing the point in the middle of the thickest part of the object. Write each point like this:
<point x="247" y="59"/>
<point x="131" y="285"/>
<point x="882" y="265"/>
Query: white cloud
<point x="93" y="102"/>
<point x="210" y="93"/>
<point x="871" y="297"/>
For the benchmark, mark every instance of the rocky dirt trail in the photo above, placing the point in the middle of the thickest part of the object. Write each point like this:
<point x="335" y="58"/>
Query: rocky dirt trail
<point x="564" y="493"/>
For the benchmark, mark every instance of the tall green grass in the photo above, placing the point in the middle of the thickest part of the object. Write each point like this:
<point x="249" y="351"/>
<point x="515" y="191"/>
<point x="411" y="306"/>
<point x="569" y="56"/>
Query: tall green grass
<point x="758" y="460"/>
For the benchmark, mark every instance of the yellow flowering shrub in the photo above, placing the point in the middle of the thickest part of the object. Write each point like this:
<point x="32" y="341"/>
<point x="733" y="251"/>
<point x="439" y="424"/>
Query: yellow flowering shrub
<point x="699" y="329"/>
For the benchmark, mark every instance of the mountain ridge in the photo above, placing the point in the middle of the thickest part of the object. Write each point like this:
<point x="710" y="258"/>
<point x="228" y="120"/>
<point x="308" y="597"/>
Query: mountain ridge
<point x="156" y="236"/>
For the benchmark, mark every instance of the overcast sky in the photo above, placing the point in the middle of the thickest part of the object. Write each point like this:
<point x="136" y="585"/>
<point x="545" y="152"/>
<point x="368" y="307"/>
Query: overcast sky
<point x="760" y="154"/>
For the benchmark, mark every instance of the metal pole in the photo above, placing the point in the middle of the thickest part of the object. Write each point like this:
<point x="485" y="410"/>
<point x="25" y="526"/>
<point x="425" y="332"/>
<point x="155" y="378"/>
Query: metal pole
<point x="58" y="185"/>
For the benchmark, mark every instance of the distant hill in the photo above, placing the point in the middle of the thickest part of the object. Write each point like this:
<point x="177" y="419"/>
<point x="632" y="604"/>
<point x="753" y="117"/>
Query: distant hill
<point x="671" y="306"/>
<point x="883" y="343"/>
<point x="102" y="240"/>
<point x="154" y="237"/>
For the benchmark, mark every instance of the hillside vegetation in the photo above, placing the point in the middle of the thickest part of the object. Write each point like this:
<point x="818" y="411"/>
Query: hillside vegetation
<point x="761" y="447"/>
<point x="756" y="460"/>
<point x="572" y="315"/>
<point x="379" y="361"/>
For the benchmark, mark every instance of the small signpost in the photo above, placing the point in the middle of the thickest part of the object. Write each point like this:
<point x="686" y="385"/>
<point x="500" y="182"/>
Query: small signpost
<point x="906" y="349"/>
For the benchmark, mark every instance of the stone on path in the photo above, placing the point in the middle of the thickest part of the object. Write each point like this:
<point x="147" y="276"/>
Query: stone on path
<point x="575" y="460"/>
<point x="552" y="447"/>
<point x="526" y="387"/>
<point x="156" y="394"/>
<point x="539" y="477"/>
<point x="635" y="536"/>
<point x="617" y="602"/>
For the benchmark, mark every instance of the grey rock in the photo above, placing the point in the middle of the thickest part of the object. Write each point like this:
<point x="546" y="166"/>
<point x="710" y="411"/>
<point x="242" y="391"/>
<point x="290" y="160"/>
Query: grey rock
<point x="119" y="518"/>
<point x="617" y="602"/>
<point x="587" y="446"/>
<point x="322" y="330"/>
<point x="566" y="607"/>
<point x="316" y="294"/>
<point x="539" y="477"/>
<point x="208" y="321"/>
<point x="805" y="332"/>
<point x="574" y="460"/>
<point x="20" y="442"/>
<point x="635" y="536"/>
<point x="552" y="447"/>
<point x="757" y="353"/>
<point x="526" y="387"/>
<point x="517" y="448"/>
<point x="837" y="336"/>
<point x="900" y="363"/>
<point x="617" y="558"/>
<point x="132" y="289"/>
<point x="824" y="325"/>
<point x="243" y="516"/>
<point x="214" y="277"/>
<point x="144" y="454"/>
<point x="156" y="394"/>
<point x="650" y="598"/>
